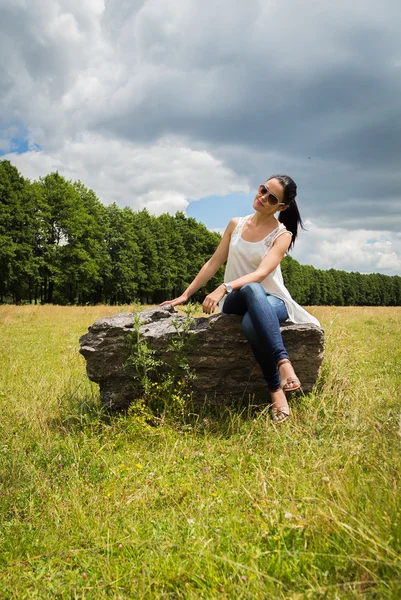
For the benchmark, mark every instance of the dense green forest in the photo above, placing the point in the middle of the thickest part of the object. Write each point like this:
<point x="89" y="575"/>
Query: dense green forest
<point x="59" y="244"/>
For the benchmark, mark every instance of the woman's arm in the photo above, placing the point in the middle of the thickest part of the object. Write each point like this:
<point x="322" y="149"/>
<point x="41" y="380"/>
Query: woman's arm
<point x="210" y="268"/>
<point x="267" y="266"/>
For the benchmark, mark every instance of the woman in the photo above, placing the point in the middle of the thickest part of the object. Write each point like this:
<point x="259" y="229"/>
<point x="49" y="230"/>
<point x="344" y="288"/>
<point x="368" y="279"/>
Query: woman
<point x="253" y="285"/>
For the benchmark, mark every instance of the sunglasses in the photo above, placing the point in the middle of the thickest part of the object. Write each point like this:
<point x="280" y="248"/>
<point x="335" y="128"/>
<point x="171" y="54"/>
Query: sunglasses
<point x="271" y="198"/>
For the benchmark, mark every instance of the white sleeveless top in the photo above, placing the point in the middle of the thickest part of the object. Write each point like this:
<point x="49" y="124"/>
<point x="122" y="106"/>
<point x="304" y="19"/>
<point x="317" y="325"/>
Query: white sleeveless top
<point x="245" y="257"/>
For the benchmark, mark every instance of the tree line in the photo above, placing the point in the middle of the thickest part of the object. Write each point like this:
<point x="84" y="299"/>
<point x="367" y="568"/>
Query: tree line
<point x="59" y="244"/>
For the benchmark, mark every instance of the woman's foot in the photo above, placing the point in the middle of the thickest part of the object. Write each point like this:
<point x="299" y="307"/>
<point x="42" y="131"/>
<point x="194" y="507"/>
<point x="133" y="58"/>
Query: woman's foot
<point x="289" y="381"/>
<point x="280" y="411"/>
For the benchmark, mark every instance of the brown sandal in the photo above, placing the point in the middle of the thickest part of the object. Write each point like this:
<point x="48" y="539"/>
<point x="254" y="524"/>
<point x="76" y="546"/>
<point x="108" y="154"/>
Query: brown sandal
<point x="279" y="415"/>
<point x="289" y="380"/>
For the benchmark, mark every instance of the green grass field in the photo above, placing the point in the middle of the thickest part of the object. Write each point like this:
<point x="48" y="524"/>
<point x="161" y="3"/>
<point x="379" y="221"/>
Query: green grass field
<point x="98" y="507"/>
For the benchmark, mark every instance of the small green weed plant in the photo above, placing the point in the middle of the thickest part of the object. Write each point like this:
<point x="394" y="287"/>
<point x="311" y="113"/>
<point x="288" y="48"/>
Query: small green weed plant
<point x="163" y="387"/>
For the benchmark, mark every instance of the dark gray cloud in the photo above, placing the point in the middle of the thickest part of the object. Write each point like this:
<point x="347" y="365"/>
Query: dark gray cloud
<point x="295" y="82"/>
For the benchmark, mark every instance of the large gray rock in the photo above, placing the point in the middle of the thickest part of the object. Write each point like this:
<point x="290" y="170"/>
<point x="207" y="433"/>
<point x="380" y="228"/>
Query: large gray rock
<point x="217" y="351"/>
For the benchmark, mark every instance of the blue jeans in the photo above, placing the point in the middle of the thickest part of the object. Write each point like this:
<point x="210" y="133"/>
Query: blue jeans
<point x="263" y="314"/>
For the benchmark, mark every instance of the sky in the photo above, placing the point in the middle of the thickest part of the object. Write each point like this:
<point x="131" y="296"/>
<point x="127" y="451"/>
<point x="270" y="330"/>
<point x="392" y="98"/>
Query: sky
<point x="190" y="104"/>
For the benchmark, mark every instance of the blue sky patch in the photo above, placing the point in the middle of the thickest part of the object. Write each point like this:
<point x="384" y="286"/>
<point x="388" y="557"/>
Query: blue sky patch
<point x="16" y="140"/>
<point x="216" y="211"/>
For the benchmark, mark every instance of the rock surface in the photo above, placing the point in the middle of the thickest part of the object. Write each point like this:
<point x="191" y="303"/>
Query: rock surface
<point x="226" y="370"/>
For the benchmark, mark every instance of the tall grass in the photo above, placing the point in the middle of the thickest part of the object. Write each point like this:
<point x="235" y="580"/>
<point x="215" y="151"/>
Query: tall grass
<point x="98" y="506"/>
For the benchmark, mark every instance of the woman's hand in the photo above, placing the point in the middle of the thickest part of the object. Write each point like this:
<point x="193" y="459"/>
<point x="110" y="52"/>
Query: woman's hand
<point x="211" y="301"/>
<point x="180" y="300"/>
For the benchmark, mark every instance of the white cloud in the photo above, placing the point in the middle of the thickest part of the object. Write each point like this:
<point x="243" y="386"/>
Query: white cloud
<point x="163" y="177"/>
<point x="349" y="250"/>
<point x="390" y="262"/>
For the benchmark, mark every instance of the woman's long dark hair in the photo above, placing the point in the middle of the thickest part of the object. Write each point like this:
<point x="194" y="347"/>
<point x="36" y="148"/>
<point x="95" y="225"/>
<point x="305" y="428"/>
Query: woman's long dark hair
<point x="289" y="217"/>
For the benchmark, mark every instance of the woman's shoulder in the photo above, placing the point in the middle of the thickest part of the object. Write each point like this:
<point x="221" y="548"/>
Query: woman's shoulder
<point x="280" y="229"/>
<point x="234" y="223"/>
<point x="237" y="220"/>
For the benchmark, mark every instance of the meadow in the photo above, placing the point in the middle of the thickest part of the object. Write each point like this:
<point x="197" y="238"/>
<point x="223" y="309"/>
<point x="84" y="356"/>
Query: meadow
<point x="96" y="506"/>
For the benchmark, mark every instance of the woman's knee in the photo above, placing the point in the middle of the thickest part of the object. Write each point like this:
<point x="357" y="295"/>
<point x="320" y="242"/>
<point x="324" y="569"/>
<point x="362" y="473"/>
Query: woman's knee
<point x="252" y="289"/>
